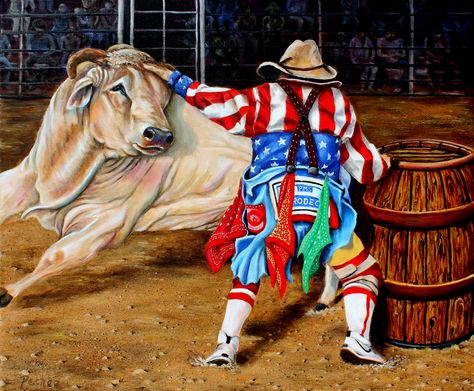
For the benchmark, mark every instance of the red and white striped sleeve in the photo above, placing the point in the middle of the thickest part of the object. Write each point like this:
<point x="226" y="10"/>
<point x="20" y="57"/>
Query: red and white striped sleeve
<point x="357" y="155"/>
<point x="230" y="108"/>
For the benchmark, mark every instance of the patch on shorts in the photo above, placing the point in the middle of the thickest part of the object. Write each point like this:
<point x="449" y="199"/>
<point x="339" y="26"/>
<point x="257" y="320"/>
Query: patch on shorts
<point x="307" y="193"/>
<point x="256" y="218"/>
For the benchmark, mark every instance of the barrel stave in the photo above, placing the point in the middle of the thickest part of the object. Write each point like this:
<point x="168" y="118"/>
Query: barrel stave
<point x="416" y="261"/>
<point x="415" y="322"/>
<point x="435" y="323"/>
<point x="461" y="243"/>
<point x="397" y="319"/>
<point x="467" y="173"/>
<point x="455" y="189"/>
<point x="438" y="260"/>
<point x="419" y="196"/>
<point x="397" y="244"/>
<point x="459" y="316"/>
<point x="402" y="200"/>
<point x="385" y="190"/>
<point x="436" y="193"/>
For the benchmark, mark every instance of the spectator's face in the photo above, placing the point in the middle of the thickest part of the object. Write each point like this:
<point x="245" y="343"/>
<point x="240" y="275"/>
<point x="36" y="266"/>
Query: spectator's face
<point x="62" y="8"/>
<point x="390" y="35"/>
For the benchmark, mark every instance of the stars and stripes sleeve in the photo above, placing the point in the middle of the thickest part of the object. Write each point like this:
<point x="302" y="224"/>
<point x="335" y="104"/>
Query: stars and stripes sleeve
<point x="230" y="108"/>
<point x="226" y="106"/>
<point x="357" y="155"/>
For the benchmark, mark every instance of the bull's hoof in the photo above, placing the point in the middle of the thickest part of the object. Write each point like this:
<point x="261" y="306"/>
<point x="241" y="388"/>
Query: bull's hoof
<point x="321" y="307"/>
<point x="5" y="297"/>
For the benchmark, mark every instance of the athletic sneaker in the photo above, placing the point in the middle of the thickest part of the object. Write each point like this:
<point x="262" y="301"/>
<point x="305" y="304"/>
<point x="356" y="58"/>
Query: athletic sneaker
<point x="358" y="350"/>
<point x="226" y="350"/>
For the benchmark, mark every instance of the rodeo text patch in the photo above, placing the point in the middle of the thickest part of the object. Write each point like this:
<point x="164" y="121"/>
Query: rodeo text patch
<point x="307" y="194"/>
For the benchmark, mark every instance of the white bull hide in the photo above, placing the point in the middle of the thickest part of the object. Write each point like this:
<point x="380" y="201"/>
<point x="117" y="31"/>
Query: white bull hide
<point x="94" y="196"/>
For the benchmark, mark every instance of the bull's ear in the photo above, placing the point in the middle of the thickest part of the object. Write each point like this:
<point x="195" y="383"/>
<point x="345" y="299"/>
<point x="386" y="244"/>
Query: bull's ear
<point x="83" y="88"/>
<point x="81" y="94"/>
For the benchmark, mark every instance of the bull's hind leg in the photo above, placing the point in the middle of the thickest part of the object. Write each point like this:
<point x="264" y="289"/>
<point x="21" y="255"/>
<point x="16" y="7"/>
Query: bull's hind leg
<point x="17" y="190"/>
<point x="71" y="251"/>
<point x="331" y="283"/>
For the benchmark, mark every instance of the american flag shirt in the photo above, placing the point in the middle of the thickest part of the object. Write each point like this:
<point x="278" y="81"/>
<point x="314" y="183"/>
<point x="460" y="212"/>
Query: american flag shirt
<point x="266" y="114"/>
<point x="266" y="108"/>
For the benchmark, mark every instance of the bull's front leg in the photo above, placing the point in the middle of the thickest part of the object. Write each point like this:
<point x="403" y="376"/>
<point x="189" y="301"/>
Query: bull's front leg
<point x="17" y="190"/>
<point x="71" y="251"/>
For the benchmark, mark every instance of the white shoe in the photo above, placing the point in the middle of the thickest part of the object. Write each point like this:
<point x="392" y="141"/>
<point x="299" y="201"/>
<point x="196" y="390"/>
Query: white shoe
<point x="226" y="350"/>
<point x="358" y="350"/>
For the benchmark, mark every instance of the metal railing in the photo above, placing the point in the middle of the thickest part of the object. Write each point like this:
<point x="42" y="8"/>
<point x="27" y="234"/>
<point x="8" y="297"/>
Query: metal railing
<point x="193" y="39"/>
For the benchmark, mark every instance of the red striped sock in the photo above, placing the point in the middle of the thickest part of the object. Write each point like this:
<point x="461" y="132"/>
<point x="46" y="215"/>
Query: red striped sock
<point x="247" y="293"/>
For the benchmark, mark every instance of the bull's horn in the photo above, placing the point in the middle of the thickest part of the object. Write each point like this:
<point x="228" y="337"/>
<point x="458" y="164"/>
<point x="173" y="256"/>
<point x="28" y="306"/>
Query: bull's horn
<point x="87" y="54"/>
<point x="119" y="46"/>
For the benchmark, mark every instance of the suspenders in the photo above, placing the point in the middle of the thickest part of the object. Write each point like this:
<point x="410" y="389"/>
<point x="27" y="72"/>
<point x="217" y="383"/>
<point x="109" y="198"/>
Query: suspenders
<point x="302" y="129"/>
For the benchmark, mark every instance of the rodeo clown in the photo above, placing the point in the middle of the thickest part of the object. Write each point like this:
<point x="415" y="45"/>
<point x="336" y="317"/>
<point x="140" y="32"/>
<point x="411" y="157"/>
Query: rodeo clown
<point x="293" y="202"/>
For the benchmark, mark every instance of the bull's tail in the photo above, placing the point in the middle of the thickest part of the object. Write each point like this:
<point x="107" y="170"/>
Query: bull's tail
<point x="17" y="190"/>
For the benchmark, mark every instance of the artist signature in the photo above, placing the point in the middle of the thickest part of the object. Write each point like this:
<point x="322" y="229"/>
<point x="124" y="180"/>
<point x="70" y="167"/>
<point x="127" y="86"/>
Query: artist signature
<point x="39" y="384"/>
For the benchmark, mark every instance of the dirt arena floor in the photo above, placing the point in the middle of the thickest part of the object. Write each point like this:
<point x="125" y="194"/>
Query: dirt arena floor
<point x="140" y="316"/>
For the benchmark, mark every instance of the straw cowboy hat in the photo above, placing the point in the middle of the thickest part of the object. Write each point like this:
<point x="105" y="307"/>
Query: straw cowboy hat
<point x="303" y="60"/>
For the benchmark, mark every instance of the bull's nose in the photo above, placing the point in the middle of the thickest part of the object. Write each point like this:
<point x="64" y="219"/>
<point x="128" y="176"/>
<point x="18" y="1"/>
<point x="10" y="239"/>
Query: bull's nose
<point x="149" y="133"/>
<point x="153" y="134"/>
<point x="169" y="138"/>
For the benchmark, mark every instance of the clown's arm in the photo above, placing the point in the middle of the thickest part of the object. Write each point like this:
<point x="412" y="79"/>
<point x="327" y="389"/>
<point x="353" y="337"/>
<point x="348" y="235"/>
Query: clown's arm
<point x="228" y="107"/>
<point x="358" y="156"/>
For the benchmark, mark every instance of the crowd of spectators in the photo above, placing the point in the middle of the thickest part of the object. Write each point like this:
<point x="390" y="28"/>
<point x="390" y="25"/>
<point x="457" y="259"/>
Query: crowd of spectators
<point x="370" y="62"/>
<point x="37" y="40"/>
<point x="244" y="32"/>
<point x="368" y="42"/>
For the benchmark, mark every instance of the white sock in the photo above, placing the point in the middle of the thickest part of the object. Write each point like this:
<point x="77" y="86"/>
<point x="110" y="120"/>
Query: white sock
<point x="236" y="314"/>
<point x="359" y="309"/>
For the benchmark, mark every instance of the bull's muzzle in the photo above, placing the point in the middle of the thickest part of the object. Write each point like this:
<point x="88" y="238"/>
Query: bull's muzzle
<point x="155" y="135"/>
<point x="154" y="140"/>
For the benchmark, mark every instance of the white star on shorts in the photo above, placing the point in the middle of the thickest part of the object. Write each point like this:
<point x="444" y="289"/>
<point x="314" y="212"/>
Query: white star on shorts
<point x="281" y="141"/>
<point x="322" y="144"/>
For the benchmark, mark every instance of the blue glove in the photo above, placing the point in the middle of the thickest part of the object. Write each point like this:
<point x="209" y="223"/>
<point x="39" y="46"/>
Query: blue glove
<point x="179" y="83"/>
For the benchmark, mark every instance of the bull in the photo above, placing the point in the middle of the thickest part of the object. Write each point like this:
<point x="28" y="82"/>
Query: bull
<point x="117" y="152"/>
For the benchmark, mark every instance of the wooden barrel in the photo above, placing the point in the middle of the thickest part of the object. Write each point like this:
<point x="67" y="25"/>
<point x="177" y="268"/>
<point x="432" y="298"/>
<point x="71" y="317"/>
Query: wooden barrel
<point x="419" y="226"/>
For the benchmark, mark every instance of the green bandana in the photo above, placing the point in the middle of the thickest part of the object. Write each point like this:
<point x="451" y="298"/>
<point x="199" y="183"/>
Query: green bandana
<point x="316" y="239"/>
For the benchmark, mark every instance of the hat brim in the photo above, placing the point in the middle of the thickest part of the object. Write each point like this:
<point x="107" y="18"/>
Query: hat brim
<point x="272" y="70"/>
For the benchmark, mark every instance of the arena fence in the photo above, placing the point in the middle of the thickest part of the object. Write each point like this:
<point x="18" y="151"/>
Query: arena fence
<point x="407" y="47"/>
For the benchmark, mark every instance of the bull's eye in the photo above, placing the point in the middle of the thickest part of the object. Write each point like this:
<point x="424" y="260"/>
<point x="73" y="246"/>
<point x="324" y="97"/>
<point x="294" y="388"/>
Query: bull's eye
<point x="119" y="88"/>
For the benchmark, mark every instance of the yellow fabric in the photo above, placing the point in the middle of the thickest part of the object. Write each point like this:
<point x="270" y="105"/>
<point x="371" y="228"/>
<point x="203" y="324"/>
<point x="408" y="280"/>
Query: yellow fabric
<point x="346" y="253"/>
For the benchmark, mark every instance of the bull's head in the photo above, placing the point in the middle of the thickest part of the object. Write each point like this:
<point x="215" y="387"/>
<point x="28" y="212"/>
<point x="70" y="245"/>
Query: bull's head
<point x="125" y="103"/>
